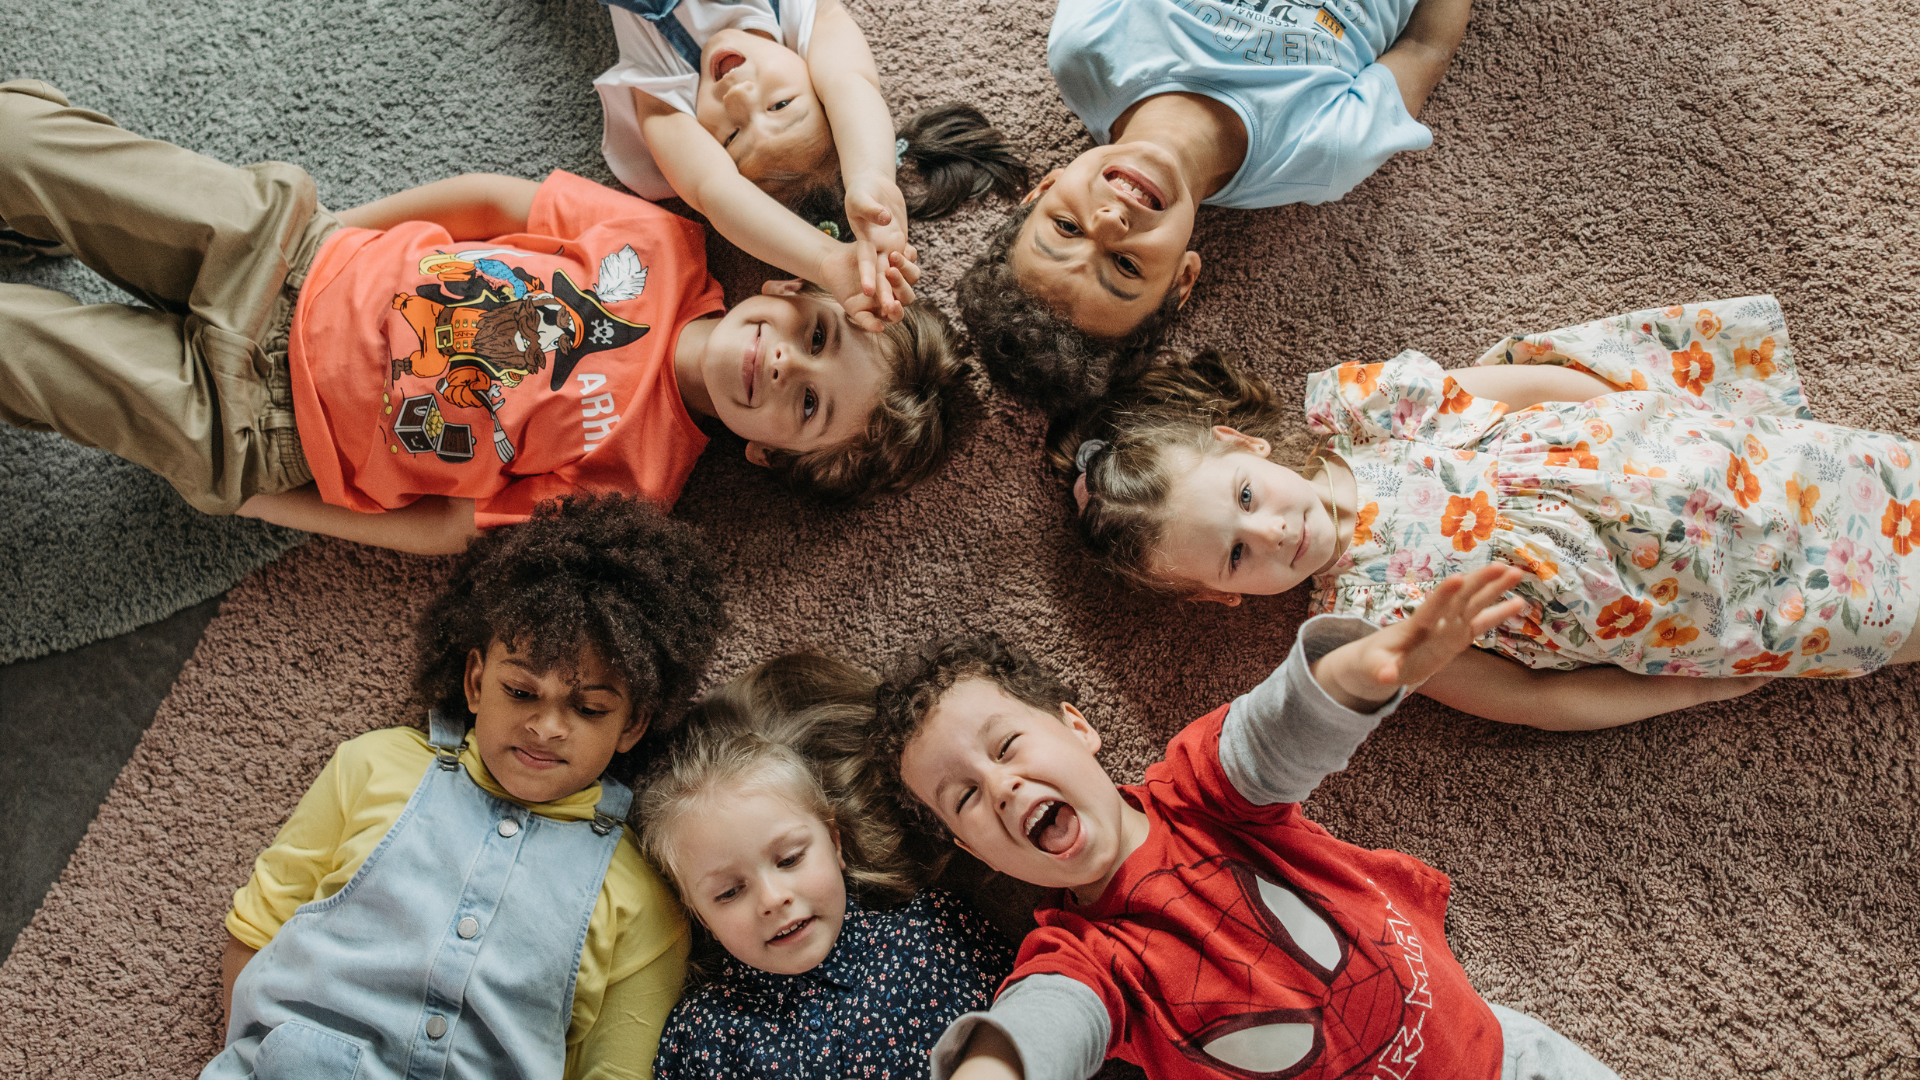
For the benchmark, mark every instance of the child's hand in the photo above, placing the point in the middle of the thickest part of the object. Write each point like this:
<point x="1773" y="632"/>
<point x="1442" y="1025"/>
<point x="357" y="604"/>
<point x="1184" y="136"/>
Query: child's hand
<point x="1362" y="674"/>
<point x="878" y="213"/>
<point x="840" y="275"/>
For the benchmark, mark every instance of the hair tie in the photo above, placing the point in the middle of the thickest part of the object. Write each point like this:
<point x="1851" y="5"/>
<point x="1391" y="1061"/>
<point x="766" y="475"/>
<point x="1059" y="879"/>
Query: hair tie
<point x="1082" y="458"/>
<point x="899" y="151"/>
<point x="830" y="228"/>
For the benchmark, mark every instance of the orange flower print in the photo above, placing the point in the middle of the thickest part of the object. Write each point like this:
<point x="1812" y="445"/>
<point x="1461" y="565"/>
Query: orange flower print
<point x="1467" y="522"/>
<point x="1816" y="642"/>
<point x="1741" y="481"/>
<point x="1693" y="369"/>
<point x="1597" y="429"/>
<point x="1639" y="381"/>
<point x="1756" y="451"/>
<point x="1666" y="591"/>
<point x="1706" y="324"/>
<point x="1535" y="563"/>
<point x="1577" y="456"/>
<point x="1641" y="468"/>
<point x="1646" y="552"/>
<point x="1804" y="497"/>
<point x="1674" y="312"/>
<point x="1624" y="616"/>
<point x="1766" y="661"/>
<point x="1759" y="359"/>
<point x="1899" y="457"/>
<point x="1792" y="607"/>
<point x="1455" y="400"/>
<point x="1363" y="523"/>
<point x="1901" y="524"/>
<point x="1671" y="633"/>
<point x="1362" y="378"/>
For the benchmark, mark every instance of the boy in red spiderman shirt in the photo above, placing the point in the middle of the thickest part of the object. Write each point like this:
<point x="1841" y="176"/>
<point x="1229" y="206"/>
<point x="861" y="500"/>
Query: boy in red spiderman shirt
<point x="1206" y="927"/>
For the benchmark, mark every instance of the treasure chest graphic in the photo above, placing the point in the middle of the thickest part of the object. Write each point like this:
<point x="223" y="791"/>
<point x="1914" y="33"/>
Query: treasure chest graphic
<point x="421" y="429"/>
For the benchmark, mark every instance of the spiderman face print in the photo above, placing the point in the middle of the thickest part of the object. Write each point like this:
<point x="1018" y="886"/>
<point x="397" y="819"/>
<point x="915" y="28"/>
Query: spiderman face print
<point x="1253" y="977"/>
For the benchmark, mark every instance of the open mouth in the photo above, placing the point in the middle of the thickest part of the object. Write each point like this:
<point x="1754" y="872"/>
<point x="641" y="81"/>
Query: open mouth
<point x="1052" y="826"/>
<point x="788" y="932"/>
<point x="750" y="363"/>
<point x="724" y="63"/>
<point x="1135" y="188"/>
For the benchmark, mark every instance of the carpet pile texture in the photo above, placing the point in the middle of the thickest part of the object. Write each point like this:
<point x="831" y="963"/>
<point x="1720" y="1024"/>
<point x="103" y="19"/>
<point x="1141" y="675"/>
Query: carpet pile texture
<point x="1726" y="892"/>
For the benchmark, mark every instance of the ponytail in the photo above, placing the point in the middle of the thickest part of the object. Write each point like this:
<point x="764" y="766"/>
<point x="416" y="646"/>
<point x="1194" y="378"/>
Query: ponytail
<point x="959" y="156"/>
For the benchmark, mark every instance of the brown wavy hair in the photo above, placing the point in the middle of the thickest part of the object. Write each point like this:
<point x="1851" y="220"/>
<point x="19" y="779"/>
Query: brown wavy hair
<point x="908" y="437"/>
<point x="1147" y="424"/>
<point x="1032" y="350"/>
<point x="953" y="155"/>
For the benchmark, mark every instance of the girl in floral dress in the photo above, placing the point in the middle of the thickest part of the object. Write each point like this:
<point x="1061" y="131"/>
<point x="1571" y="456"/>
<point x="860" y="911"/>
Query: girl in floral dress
<point x="1656" y="476"/>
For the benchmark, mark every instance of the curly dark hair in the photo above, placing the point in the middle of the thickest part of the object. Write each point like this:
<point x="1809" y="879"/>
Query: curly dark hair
<point x="921" y="677"/>
<point x="1032" y="350"/>
<point x="605" y="574"/>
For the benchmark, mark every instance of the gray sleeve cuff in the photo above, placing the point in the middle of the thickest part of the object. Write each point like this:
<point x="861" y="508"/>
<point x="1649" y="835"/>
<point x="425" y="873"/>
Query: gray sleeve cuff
<point x="1058" y="1025"/>
<point x="1283" y="737"/>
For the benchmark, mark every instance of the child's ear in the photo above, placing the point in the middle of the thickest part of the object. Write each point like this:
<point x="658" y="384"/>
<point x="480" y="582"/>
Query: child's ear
<point x="784" y="287"/>
<point x="757" y="452"/>
<point x="1045" y="183"/>
<point x="1188" y="273"/>
<point x="476" y="668"/>
<point x="1231" y="599"/>
<point x="1240" y="440"/>
<point x="636" y="727"/>
<point x="833" y="830"/>
<point x="1076" y="722"/>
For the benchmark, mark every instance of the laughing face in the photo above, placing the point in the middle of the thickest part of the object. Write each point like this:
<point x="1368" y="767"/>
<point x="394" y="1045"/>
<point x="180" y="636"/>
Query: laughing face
<point x="756" y="98"/>
<point x="764" y="876"/>
<point x="1107" y="238"/>
<point x="545" y="735"/>
<point x="1021" y="790"/>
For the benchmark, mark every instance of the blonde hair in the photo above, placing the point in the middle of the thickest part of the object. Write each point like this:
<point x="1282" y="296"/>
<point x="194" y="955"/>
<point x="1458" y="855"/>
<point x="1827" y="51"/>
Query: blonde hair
<point x="793" y="728"/>
<point x="907" y="437"/>
<point x="1172" y="406"/>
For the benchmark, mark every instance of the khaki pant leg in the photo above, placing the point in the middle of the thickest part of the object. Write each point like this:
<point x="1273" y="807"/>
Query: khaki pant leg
<point x="207" y="409"/>
<point x="181" y="231"/>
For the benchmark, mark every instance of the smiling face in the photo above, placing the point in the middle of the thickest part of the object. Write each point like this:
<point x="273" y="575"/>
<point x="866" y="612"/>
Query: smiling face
<point x="1238" y="523"/>
<point x="763" y="875"/>
<point x="757" y="99"/>
<point x="1020" y="788"/>
<point x="787" y="371"/>
<point x="1107" y="238"/>
<point x="546" y="735"/>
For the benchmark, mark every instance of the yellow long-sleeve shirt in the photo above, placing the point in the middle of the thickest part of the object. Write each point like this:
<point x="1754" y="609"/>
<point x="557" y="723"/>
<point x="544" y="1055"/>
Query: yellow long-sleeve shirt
<point x="635" y="957"/>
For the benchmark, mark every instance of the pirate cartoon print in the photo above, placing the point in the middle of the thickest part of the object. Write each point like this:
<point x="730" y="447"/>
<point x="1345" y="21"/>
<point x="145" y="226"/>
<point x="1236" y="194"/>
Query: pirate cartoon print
<point x="484" y="326"/>
<point x="1278" y="988"/>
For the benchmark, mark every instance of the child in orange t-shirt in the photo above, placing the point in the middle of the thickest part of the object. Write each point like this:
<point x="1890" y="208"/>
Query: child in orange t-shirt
<point x="437" y="361"/>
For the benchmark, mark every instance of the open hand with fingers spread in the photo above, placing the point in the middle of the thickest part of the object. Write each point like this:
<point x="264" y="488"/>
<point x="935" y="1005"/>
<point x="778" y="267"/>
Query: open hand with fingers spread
<point x="1362" y="674"/>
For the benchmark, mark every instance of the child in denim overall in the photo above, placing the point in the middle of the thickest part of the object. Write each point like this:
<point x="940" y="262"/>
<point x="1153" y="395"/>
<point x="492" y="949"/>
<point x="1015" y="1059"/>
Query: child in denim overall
<point x="462" y="903"/>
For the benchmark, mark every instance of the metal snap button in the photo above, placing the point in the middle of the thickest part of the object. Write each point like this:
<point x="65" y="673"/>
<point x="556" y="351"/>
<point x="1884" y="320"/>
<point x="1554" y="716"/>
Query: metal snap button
<point x="508" y="827"/>
<point x="468" y="927"/>
<point x="436" y="1026"/>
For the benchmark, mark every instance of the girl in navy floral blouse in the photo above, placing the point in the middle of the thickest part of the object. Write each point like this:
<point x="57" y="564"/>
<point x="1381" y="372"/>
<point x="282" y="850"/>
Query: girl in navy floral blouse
<point x="796" y="867"/>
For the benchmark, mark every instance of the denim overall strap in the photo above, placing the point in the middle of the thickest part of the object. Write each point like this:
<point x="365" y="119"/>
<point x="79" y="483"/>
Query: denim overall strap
<point x="452" y="951"/>
<point x="660" y="14"/>
<point x="611" y="810"/>
<point x="445" y="736"/>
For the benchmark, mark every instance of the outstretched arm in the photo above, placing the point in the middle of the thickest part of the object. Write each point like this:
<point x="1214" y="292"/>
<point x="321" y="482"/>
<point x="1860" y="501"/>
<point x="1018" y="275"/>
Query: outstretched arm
<point x="1364" y="674"/>
<point x="430" y="525"/>
<point x="703" y="174"/>
<point x="1496" y="688"/>
<point x="844" y="76"/>
<point x="234" y="958"/>
<point x="1524" y="385"/>
<point x="477" y="206"/>
<point x="1420" y="57"/>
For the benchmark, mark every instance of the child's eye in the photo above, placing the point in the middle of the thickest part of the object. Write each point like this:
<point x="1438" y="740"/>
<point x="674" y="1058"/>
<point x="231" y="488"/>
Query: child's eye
<point x="778" y="105"/>
<point x="1127" y="265"/>
<point x="728" y="895"/>
<point x="518" y="694"/>
<point x="819" y="340"/>
<point x="1233" y="557"/>
<point x="728" y="141"/>
<point x="1246" y="496"/>
<point x="809" y="404"/>
<point x="791" y="861"/>
<point x="1066" y="227"/>
<point x="1004" y="746"/>
<point x="962" y="804"/>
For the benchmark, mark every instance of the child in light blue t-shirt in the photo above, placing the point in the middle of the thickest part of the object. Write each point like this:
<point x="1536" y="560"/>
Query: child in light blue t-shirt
<point x="1244" y="104"/>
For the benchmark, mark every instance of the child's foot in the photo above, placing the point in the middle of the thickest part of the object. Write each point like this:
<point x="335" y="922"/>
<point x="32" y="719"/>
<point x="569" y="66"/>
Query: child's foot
<point x="19" y="249"/>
